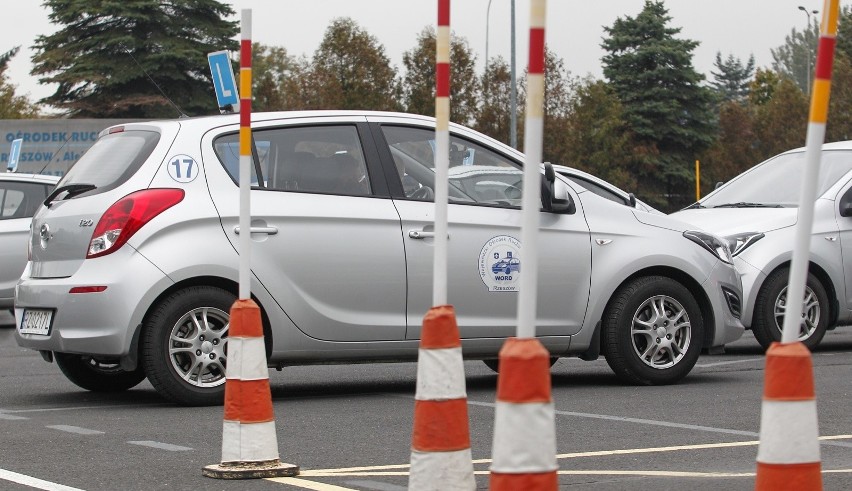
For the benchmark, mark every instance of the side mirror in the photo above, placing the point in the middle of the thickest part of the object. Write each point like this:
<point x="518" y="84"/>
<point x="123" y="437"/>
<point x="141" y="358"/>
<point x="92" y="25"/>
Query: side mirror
<point x="845" y="205"/>
<point x="631" y="200"/>
<point x="555" y="197"/>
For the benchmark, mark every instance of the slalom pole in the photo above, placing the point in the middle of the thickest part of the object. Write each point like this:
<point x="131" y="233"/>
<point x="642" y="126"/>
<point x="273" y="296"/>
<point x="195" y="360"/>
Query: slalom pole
<point x="440" y="442"/>
<point x="249" y="440"/>
<point x="524" y="446"/>
<point x="788" y="457"/>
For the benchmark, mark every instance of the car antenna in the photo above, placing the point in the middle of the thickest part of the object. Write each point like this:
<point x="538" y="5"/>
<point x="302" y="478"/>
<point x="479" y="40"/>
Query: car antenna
<point x="53" y="157"/>
<point x="179" y="110"/>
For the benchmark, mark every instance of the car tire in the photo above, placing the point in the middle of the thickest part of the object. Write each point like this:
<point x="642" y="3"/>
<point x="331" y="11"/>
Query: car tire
<point x="770" y="305"/>
<point x="184" y="345"/>
<point x="494" y="363"/>
<point x="652" y="331"/>
<point x="97" y="376"/>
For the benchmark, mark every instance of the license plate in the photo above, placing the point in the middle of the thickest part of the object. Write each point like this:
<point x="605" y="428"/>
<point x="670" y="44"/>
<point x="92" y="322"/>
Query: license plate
<point x="36" y="322"/>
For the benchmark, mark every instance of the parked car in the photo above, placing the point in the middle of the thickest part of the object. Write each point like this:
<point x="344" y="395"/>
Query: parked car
<point x="135" y="265"/>
<point x="604" y="189"/>
<point x="20" y="196"/>
<point x="756" y="211"/>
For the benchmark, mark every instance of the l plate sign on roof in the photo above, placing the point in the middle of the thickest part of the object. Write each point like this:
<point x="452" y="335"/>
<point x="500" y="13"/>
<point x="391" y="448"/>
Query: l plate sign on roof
<point x="223" y="81"/>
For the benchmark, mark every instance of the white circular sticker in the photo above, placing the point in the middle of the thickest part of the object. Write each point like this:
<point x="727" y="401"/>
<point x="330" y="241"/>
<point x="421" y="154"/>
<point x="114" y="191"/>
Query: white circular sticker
<point x="182" y="168"/>
<point x="500" y="264"/>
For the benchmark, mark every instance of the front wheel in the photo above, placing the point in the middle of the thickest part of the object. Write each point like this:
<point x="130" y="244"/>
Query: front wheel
<point x="184" y="345"/>
<point x="771" y="305"/>
<point x="97" y="375"/>
<point x="653" y="331"/>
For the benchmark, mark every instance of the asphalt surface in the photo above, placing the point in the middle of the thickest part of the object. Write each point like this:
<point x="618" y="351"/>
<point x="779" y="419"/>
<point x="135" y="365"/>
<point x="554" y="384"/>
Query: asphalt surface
<point x="348" y="427"/>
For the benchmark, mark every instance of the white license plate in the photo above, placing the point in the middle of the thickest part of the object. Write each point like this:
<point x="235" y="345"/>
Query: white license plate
<point x="36" y="322"/>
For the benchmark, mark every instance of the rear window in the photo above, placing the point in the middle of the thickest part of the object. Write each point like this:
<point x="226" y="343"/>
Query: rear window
<point x="112" y="160"/>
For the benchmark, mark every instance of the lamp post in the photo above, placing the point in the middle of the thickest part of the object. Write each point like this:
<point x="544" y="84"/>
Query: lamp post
<point x="808" y="52"/>
<point x="487" y="22"/>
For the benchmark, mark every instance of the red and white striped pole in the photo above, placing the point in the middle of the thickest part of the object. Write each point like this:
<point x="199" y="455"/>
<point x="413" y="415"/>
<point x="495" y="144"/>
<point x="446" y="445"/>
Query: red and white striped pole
<point x="788" y="457"/>
<point x="440" y="443"/>
<point x="524" y="448"/>
<point x="249" y="441"/>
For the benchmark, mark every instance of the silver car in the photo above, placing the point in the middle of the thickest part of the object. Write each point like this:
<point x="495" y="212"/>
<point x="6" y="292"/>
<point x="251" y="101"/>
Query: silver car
<point x="756" y="211"/>
<point x="134" y="261"/>
<point x="20" y="196"/>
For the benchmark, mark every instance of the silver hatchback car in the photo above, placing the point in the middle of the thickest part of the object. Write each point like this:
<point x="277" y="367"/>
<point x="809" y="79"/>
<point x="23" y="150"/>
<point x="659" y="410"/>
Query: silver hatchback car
<point x="757" y="210"/>
<point x="20" y="197"/>
<point x="134" y="260"/>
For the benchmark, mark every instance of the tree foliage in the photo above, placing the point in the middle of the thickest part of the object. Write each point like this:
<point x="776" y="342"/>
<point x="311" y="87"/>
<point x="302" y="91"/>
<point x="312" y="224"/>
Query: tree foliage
<point x="666" y="107"/>
<point x="492" y="117"/>
<point x="731" y="78"/>
<point x="277" y="79"/>
<point x="796" y="57"/>
<point x="418" y="84"/>
<point x="350" y="70"/>
<point x="93" y="57"/>
<point x="13" y="106"/>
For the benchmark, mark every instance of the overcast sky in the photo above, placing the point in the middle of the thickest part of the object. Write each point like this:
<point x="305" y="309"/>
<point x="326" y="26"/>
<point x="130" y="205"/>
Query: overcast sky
<point x="574" y="28"/>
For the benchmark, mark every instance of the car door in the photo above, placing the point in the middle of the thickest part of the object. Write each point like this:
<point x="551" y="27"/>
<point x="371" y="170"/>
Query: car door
<point x="485" y="255"/>
<point x="332" y="253"/>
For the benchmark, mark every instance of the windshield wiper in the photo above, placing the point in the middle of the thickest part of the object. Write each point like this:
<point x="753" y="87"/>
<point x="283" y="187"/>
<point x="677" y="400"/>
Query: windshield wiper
<point x="70" y="189"/>
<point x="744" y="204"/>
<point x="694" y="206"/>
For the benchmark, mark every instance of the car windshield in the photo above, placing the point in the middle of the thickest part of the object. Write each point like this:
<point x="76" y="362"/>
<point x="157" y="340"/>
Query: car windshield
<point x="777" y="182"/>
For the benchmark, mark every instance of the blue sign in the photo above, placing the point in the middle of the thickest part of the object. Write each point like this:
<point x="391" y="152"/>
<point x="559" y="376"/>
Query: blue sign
<point x="223" y="81"/>
<point x="14" y="155"/>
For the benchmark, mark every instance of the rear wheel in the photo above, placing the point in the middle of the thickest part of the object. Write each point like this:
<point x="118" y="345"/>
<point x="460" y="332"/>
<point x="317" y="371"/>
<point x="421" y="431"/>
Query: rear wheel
<point x="184" y="345"/>
<point x="771" y="305"/>
<point x="653" y="331"/>
<point x="95" y="375"/>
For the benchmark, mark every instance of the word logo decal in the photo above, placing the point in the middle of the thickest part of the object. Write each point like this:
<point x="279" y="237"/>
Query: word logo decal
<point x="500" y="264"/>
<point x="182" y="168"/>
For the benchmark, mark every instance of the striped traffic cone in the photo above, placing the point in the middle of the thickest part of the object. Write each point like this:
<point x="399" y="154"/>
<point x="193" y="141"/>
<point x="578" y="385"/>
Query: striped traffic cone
<point x="249" y="443"/>
<point x="440" y="443"/>
<point x="524" y="453"/>
<point x="788" y="455"/>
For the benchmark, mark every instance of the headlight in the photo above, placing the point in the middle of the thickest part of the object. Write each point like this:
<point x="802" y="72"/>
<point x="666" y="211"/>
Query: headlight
<point x="716" y="245"/>
<point x="740" y="242"/>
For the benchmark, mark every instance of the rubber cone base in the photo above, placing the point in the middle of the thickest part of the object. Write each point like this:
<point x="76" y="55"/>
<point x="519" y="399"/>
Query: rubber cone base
<point x="250" y="470"/>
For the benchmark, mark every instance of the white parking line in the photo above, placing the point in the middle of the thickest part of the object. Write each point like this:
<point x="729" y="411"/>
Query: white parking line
<point x="34" y="482"/>
<point x="10" y="417"/>
<point x="708" y="365"/>
<point x="75" y="429"/>
<point x="161" y="446"/>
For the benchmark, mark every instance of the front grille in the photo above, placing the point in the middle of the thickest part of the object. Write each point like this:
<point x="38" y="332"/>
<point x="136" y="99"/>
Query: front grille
<point x="733" y="300"/>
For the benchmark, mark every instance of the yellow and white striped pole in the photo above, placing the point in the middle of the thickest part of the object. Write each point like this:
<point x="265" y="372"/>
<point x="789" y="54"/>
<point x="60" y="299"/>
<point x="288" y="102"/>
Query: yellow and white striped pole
<point x="788" y="457"/>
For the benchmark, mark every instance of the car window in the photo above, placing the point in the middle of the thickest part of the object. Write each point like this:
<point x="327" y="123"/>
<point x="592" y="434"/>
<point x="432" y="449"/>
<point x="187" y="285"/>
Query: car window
<point x="20" y="199"/>
<point x="312" y="159"/>
<point x="477" y="174"/>
<point x="777" y="182"/>
<point x="112" y="160"/>
<point x="597" y="189"/>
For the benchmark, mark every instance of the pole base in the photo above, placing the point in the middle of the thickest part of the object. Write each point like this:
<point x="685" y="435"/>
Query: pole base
<point x="250" y="470"/>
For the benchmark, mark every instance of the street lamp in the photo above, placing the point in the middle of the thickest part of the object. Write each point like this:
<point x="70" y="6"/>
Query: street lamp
<point x="808" y="47"/>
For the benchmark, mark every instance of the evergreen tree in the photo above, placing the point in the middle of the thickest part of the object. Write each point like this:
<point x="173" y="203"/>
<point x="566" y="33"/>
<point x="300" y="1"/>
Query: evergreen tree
<point x="350" y="70"/>
<point x="13" y="106"/>
<point x="665" y="106"/>
<point x="93" y="58"/>
<point x="418" y="85"/>
<point x="731" y="78"/>
<point x="795" y="59"/>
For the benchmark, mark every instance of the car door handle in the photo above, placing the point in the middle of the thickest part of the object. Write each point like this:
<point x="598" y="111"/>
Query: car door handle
<point x="258" y="230"/>
<point x="420" y="234"/>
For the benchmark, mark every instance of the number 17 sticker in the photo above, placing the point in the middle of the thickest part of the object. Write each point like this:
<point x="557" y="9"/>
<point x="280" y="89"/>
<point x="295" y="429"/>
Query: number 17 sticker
<point x="183" y="168"/>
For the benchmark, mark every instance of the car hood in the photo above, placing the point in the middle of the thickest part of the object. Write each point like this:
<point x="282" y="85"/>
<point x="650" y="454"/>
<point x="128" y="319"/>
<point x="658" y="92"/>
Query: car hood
<point x="730" y="221"/>
<point x="662" y="221"/>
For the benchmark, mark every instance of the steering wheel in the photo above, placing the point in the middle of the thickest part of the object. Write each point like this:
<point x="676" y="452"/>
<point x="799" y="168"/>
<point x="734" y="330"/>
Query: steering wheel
<point x="423" y="193"/>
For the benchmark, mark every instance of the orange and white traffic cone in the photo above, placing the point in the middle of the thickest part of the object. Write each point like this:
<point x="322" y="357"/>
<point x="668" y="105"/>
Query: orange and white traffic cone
<point x="524" y="453"/>
<point x="440" y="443"/>
<point x="788" y="456"/>
<point x="249" y="443"/>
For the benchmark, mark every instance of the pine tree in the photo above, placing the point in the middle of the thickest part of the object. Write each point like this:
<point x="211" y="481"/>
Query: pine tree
<point x="731" y="78"/>
<point x="104" y="55"/>
<point x="665" y="106"/>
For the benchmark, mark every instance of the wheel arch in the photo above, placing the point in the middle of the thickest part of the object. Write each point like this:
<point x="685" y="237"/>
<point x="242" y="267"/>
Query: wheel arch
<point x="214" y="281"/>
<point x="824" y="278"/>
<point x="707" y="315"/>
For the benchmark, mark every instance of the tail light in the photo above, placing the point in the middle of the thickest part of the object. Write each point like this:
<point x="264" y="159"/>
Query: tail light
<point x="127" y="215"/>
